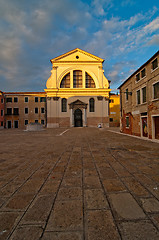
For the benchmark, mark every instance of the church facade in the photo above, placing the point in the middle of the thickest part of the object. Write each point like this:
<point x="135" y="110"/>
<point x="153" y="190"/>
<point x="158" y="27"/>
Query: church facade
<point x="77" y="91"/>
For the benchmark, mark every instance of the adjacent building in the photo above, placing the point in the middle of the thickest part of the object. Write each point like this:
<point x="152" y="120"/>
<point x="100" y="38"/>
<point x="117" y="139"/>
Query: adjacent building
<point x="77" y="91"/>
<point x="139" y="101"/>
<point x="114" y="110"/>
<point x="22" y="108"/>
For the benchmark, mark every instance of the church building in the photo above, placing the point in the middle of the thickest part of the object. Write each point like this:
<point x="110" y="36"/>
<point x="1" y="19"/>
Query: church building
<point x="77" y="91"/>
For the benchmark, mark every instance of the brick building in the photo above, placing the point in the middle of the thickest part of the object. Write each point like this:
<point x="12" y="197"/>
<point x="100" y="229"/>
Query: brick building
<point x="22" y="108"/>
<point x="139" y="101"/>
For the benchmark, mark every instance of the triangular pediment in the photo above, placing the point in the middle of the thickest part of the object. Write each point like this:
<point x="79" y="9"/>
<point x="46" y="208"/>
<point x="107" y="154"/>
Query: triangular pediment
<point x="78" y="103"/>
<point x="77" y="55"/>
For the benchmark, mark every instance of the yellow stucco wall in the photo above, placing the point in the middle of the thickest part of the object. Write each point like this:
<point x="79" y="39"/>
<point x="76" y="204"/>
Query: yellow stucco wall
<point x="85" y="62"/>
<point x="114" y="110"/>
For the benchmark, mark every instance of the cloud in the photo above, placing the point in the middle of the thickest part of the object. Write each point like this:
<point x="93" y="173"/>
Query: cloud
<point x="33" y="31"/>
<point x="152" y="26"/>
<point x="127" y="2"/>
<point x="154" y="40"/>
<point x="101" y="7"/>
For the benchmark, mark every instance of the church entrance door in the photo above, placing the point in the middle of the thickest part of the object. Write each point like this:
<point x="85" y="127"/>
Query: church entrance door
<point x="78" y="118"/>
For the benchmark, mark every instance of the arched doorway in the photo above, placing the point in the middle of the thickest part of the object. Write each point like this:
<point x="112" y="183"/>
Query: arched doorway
<point x="78" y="118"/>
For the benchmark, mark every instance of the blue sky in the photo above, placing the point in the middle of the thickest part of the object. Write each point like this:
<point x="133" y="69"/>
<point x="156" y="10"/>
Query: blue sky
<point x="123" y="32"/>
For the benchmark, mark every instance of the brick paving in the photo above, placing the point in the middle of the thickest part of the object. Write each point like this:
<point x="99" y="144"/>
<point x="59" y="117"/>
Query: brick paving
<point x="85" y="184"/>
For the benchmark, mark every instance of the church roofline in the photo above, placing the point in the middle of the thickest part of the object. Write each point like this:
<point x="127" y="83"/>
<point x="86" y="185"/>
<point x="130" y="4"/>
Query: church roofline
<point x="75" y="50"/>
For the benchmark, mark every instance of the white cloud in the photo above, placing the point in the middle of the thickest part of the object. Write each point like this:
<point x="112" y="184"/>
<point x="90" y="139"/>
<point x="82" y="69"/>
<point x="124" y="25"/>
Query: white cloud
<point x="100" y="7"/>
<point x="127" y="2"/>
<point x="152" y="26"/>
<point x="154" y="40"/>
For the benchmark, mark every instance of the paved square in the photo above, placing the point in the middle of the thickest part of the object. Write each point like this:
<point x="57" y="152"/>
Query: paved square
<point x="85" y="184"/>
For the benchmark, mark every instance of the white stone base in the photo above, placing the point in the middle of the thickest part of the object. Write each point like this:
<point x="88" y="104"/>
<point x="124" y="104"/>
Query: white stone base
<point x="52" y="125"/>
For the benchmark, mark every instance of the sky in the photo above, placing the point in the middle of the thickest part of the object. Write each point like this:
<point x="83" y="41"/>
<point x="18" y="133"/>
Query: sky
<point x="123" y="32"/>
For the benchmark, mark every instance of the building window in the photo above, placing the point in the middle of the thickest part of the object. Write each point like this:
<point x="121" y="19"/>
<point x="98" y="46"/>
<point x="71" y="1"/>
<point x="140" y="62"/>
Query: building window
<point x="89" y="81"/>
<point x="15" y="99"/>
<point x="42" y="121"/>
<point x="144" y="95"/>
<point x="154" y="64"/>
<point x="111" y="100"/>
<point x="110" y="119"/>
<point x="65" y="83"/>
<point x="1" y="124"/>
<point x="9" y="111"/>
<point x="77" y="79"/>
<point x="36" y="110"/>
<point x="138" y="77"/>
<point x="8" y="99"/>
<point x="64" y="105"/>
<point x="156" y="90"/>
<point x="26" y="110"/>
<point x="42" y="110"/>
<point x="9" y="124"/>
<point x="43" y="99"/>
<point x="15" y="111"/>
<point x="143" y="73"/>
<point x="26" y="122"/>
<point x="127" y="122"/>
<point x="127" y="94"/>
<point x="1" y="100"/>
<point x="91" y="104"/>
<point x="15" y="124"/>
<point x="138" y="97"/>
<point x="2" y="112"/>
<point x="26" y="99"/>
<point x="36" y="99"/>
<point x="36" y="121"/>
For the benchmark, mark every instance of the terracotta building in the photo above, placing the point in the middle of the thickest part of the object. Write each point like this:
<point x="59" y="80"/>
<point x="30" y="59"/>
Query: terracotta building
<point x="77" y="91"/>
<point x="22" y="108"/>
<point x="114" y="110"/>
<point x="1" y="110"/>
<point x="139" y="101"/>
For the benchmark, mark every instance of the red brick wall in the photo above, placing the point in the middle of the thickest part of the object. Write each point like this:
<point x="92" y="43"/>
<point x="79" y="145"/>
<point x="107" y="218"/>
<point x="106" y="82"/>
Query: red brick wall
<point x="123" y="120"/>
<point x="94" y="121"/>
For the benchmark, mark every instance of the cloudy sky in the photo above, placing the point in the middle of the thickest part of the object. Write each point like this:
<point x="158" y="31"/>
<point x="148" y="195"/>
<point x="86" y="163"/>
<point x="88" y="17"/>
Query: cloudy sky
<point x="123" y="32"/>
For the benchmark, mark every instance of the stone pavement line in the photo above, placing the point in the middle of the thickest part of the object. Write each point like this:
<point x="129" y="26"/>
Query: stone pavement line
<point x="63" y="132"/>
<point x="12" y="232"/>
<point x="113" y="154"/>
<point x="147" y="217"/>
<point x="153" y="230"/>
<point x="115" y="229"/>
<point x="20" y="185"/>
<point x="20" y="170"/>
<point x="45" y="231"/>
<point x="141" y="138"/>
<point x="135" y="197"/>
<point x="128" y="178"/>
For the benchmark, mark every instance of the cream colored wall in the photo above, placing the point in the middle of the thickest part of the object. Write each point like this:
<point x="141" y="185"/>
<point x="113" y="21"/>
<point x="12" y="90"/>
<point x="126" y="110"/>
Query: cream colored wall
<point x="68" y="62"/>
<point x="54" y="107"/>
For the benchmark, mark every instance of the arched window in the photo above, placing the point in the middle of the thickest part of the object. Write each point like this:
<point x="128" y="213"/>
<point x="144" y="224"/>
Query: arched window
<point x="91" y="105"/>
<point x="77" y="79"/>
<point x="65" y="83"/>
<point x="64" y="105"/>
<point x="89" y="81"/>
